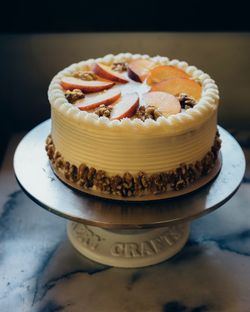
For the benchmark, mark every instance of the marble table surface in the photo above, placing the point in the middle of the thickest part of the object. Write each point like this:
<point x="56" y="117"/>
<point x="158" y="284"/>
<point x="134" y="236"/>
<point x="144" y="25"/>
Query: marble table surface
<point x="41" y="272"/>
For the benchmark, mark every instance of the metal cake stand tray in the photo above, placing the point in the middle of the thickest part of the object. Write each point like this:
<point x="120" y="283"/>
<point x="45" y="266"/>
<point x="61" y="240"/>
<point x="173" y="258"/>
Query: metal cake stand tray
<point x="120" y="233"/>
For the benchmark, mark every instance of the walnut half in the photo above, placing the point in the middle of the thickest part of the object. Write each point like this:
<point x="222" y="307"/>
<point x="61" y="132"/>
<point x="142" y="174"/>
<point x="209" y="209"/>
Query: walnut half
<point x="149" y="112"/>
<point x="85" y="75"/>
<point x="119" y="67"/>
<point x="74" y="95"/>
<point x="103" y="110"/>
<point x="186" y="101"/>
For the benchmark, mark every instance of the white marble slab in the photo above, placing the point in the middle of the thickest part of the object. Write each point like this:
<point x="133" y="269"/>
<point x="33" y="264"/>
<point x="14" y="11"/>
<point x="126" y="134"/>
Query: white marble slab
<point x="40" y="271"/>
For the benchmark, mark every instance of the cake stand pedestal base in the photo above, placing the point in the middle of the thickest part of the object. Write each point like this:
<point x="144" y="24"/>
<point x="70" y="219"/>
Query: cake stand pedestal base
<point x="118" y="233"/>
<point x="128" y="248"/>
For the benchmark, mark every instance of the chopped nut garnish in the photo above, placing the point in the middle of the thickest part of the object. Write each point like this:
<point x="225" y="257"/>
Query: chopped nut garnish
<point x="102" y="182"/>
<point x="74" y="173"/>
<point x="149" y="112"/>
<point x="116" y="185"/>
<point x="186" y="101"/>
<point x="128" y="180"/>
<point x="49" y="140"/>
<point x="103" y="110"/>
<point x="128" y="185"/>
<point x="157" y="186"/>
<point x="85" y="75"/>
<point x="91" y="176"/>
<point x="51" y="151"/>
<point x="74" y="95"/>
<point x="119" y="67"/>
<point x="141" y="113"/>
<point x="142" y="182"/>
<point x="180" y="184"/>
<point x="59" y="163"/>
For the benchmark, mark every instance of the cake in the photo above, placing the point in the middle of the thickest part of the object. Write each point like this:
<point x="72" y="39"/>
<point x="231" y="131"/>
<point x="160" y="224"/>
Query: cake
<point x="131" y="126"/>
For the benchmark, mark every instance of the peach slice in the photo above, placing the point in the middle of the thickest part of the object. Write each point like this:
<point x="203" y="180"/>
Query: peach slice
<point x="71" y="83"/>
<point x="94" y="101"/>
<point x="138" y="70"/>
<point x="163" y="72"/>
<point x="165" y="102"/>
<point x="125" y="107"/>
<point x="176" y="86"/>
<point x="105" y="72"/>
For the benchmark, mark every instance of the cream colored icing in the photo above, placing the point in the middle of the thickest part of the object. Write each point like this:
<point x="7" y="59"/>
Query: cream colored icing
<point x="117" y="152"/>
<point x="131" y="144"/>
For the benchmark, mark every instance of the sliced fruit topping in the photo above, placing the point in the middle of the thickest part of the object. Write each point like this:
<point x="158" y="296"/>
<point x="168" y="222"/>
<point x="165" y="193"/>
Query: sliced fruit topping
<point x="107" y="73"/>
<point x="71" y="83"/>
<point x="163" y="72"/>
<point x="96" y="100"/>
<point x="177" y="86"/>
<point x="138" y="70"/>
<point x="166" y="103"/>
<point x="125" y="107"/>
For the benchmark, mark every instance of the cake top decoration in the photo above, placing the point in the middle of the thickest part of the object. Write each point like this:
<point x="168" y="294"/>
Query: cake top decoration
<point x="135" y="90"/>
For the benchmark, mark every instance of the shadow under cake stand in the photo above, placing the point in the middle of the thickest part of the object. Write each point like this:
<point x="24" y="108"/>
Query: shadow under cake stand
<point x="120" y="233"/>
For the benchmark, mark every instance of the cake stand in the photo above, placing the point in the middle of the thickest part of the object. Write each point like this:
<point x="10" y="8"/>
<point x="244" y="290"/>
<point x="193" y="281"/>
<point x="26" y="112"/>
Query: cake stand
<point x="119" y="233"/>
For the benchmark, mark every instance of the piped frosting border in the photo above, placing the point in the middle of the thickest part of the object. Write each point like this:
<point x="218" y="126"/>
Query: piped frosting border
<point x="183" y="121"/>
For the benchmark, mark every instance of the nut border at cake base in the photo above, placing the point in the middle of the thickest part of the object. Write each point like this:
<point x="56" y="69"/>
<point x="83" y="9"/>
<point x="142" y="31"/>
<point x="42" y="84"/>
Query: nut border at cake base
<point x="169" y="194"/>
<point x="142" y="187"/>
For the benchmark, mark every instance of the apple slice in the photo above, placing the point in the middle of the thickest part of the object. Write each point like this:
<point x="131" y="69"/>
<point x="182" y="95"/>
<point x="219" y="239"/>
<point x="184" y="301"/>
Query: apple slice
<point x="95" y="100"/>
<point x="177" y="86"/>
<point x="107" y="73"/>
<point x="71" y="83"/>
<point x="163" y="72"/>
<point x="138" y="70"/>
<point x="166" y="103"/>
<point x="125" y="107"/>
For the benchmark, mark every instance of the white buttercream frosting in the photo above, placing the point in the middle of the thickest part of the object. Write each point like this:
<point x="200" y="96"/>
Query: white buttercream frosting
<point x="131" y="144"/>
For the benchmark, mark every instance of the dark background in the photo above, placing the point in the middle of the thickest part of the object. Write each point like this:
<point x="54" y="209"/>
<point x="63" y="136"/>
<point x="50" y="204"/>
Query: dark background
<point x="126" y="15"/>
<point x="39" y="38"/>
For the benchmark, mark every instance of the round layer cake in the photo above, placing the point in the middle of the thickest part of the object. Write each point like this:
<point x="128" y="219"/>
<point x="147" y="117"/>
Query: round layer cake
<point x="131" y="126"/>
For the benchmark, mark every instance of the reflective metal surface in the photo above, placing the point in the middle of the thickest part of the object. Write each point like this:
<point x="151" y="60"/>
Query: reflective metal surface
<point x="37" y="179"/>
